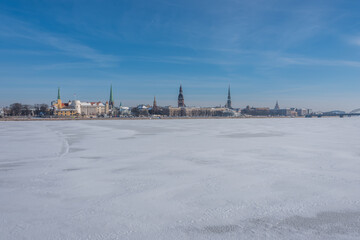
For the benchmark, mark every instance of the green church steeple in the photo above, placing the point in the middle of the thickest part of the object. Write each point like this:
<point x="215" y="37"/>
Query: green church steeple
<point x="228" y="102"/>
<point x="111" y="100"/>
<point x="58" y="93"/>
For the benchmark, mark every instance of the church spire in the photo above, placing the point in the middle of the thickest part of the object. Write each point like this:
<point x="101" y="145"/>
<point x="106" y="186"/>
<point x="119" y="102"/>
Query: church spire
<point x="277" y="105"/>
<point x="58" y="103"/>
<point x="58" y="93"/>
<point x="111" y="100"/>
<point x="181" y="98"/>
<point x="155" y="107"/>
<point x="154" y="104"/>
<point x="228" y="103"/>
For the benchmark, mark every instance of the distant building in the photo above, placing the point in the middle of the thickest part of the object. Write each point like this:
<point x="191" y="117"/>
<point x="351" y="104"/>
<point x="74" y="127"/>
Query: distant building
<point x="198" y="112"/>
<point x="76" y="107"/>
<point x="142" y="106"/>
<point x="289" y="112"/>
<point x="58" y="104"/>
<point x="255" y="111"/>
<point x="141" y="110"/>
<point x="302" y="111"/>
<point x="183" y="111"/>
<point x="89" y="108"/>
<point x="155" y="107"/>
<point x="124" y="111"/>
<point x="181" y="102"/>
<point x="284" y="112"/>
<point x="63" y="109"/>
<point x="228" y="102"/>
<point x="66" y="112"/>
<point x="111" y="99"/>
<point x="277" y="106"/>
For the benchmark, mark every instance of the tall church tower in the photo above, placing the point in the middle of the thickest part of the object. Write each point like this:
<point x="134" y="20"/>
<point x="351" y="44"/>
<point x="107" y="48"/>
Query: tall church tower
<point x="181" y="98"/>
<point x="228" y="102"/>
<point x="111" y="100"/>
<point x="58" y="102"/>
<point x="277" y="106"/>
<point x="155" y="108"/>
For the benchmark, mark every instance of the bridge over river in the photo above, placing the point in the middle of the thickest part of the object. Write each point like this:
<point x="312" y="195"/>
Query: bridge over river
<point x="355" y="112"/>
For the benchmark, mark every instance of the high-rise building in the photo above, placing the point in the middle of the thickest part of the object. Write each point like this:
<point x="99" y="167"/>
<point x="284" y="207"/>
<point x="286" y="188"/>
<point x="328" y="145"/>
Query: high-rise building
<point x="228" y="102"/>
<point x="181" y="98"/>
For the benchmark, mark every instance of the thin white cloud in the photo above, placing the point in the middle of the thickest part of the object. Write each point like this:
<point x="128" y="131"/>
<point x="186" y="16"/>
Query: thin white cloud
<point x="354" y="40"/>
<point x="13" y="28"/>
<point x="187" y="60"/>
<point x="318" y="62"/>
<point x="269" y="59"/>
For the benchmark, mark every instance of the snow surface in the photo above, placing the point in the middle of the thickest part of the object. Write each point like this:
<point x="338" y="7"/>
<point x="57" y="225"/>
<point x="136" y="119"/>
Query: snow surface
<point x="180" y="179"/>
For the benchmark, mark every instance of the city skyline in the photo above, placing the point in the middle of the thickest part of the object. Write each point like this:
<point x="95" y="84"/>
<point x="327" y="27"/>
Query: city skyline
<point x="303" y="54"/>
<point x="180" y="100"/>
<point x="175" y="102"/>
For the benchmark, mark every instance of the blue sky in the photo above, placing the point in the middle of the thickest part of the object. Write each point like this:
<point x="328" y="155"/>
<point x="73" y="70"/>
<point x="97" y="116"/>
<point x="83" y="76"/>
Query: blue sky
<point x="302" y="53"/>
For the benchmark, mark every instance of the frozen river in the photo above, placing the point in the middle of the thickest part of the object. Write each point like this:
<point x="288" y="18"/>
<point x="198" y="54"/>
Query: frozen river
<point x="180" y="179"/>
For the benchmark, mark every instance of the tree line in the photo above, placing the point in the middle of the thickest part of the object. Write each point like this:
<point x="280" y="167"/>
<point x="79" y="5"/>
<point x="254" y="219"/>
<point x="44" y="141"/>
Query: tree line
<point x="18" y="109"/>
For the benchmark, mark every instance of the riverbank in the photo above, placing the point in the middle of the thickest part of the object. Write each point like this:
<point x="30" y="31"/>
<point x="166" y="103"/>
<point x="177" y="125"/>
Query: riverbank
<point x="132" y="118"/>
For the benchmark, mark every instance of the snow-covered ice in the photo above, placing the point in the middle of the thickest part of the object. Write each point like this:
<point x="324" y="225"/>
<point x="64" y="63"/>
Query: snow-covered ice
<point x="180" y="179"/>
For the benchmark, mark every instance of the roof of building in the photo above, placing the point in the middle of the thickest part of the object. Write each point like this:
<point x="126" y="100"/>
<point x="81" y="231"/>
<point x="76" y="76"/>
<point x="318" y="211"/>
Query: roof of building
<point x="66" y="109"/>
<point x="91" y="104"/>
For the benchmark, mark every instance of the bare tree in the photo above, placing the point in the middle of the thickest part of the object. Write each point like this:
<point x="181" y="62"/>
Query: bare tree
<point x="41" y="109"/>
<point x="25" y="110"/>
<point x="15" y="109"/>
<point x="44" y="108"/>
